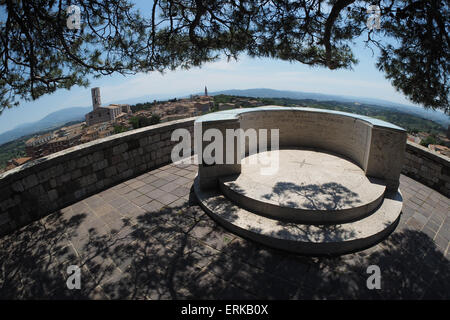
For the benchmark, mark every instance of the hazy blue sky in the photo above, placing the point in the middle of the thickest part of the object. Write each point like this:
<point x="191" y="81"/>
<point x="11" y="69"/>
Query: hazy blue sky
<point x="364" y="81"/>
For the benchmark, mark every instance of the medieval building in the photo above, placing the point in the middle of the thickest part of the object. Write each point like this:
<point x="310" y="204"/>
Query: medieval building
<point x="105" y="114"/>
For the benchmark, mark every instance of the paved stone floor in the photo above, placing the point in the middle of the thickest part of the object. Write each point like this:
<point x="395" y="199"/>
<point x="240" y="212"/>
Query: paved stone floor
<point x="148" y="239"/>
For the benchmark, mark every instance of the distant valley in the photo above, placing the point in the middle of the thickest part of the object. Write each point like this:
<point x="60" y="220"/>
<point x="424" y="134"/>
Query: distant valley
<point x="59" y="118"/>
<point x="436" y="116"/>
<point x="51" y="121"/>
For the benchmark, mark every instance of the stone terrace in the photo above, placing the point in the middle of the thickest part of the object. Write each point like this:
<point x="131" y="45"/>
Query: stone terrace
<point x="147" y="238"/>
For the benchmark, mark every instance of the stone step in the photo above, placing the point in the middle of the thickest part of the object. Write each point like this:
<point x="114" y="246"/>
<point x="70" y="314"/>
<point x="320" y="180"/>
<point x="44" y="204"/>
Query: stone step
<point x="309" y="186"/>
<point x="272" y="209"/>
<point x="303" y="238"/>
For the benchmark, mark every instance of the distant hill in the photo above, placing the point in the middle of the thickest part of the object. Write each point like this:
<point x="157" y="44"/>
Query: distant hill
<point x="271" y="93"/>
<point x="52" y="120"/>
<point x="410" y="122"/>
<point x="436" y="116"/>
<point x="58" y="118"/>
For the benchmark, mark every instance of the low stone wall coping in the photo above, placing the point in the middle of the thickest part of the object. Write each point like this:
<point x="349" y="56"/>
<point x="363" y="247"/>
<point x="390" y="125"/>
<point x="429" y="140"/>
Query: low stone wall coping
<point x="234" y="113"/>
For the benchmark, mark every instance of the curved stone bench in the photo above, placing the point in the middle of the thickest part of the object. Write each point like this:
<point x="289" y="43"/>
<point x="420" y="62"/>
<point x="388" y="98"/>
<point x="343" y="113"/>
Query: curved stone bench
<point x="376" y="146"/>
<point x="300" y="238"/>
<point x="346" y="200"/>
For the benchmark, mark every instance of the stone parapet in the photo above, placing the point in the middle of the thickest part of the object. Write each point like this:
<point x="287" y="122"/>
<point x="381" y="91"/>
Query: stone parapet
<point x="428" y="167"/>
<point x="45" y="185"/>
<point x="48" y="184"/>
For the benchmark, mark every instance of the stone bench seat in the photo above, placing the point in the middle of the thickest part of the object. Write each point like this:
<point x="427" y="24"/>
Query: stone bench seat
<point x="376" y="146"/>
<point x="334" y="188"/>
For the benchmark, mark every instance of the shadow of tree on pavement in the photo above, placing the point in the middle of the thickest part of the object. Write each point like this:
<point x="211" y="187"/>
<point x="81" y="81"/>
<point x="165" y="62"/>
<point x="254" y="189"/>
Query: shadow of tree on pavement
<point x="179" y="252"/>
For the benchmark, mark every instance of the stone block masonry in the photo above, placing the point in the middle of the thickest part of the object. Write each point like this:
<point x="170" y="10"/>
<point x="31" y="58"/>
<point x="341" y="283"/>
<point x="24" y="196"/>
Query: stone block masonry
<point x="45" y="185"/>
<point x="428" y="167"/>
<point x="48" y="184"/>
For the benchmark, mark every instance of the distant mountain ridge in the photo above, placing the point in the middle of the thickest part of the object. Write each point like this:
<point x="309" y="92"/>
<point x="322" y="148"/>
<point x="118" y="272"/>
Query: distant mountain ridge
<point x="60" y="117"/>
<point x="436" y="116"/>
<point x="50" y="121"/>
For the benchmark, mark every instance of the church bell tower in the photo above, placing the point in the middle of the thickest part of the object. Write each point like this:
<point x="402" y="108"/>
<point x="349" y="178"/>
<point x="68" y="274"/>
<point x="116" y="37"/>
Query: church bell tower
<point x="96" y="102"/>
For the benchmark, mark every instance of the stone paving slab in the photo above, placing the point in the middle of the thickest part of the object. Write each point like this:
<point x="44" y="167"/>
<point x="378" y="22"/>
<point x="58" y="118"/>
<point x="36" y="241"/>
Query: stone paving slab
<point x="148" y="239"/>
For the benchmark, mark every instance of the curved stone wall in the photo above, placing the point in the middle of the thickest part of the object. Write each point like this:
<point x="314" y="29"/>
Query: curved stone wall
<point x="48" y="184"/>
<point x="333" y="132"/>
<point x="376" y="146"/>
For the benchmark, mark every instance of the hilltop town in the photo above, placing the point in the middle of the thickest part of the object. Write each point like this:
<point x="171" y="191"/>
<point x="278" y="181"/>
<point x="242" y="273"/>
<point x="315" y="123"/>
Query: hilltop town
<point x="104" y="121"/>
<point x="107" y="120"/>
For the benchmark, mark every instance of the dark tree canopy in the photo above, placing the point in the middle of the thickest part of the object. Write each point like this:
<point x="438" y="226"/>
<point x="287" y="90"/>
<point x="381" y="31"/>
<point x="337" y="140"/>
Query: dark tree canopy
<point x="40" y="54"/>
